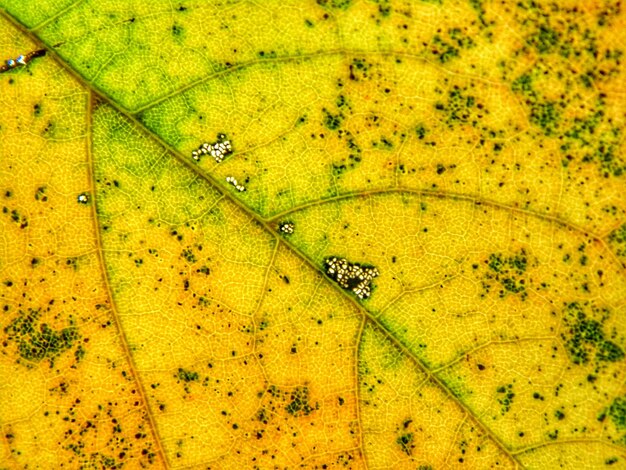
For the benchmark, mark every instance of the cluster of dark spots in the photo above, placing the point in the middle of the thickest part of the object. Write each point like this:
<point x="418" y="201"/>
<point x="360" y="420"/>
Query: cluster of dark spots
<point x="421" y="131"/>
<point x="585" y="338"/>
<point x="342" y="102"/>
<point x="37" y="341"/>
<point x="553" y="435"/>
<point x="50" y="130"/>
<point x="508" y="272"/>
<point x="263" y="416"/>
<point x="478" y="7"/>
<point x="335" y="4"/>
<point x="332" y="121"/>
<point x="174" y="233"/>
<point x="505" y="397"/>
<point x="177" y="31"/>
<point x="440" y="168"/>
<point x="405" y="441"/>
<point x="546" y="114"/>
<point x="384" y="9"/>
<point x="16" y="217"/>
<point x="267" y="54"/>
<point x="449" y="48"/>
<point x="299" y="404"/>
<point x="188" y="255"/>
<point x="461" y="108"/>
<point x="72" y="263"/>
<point x="617" y="240"/>
<point x="566" y="52"/>
<point x="37" y="110"/>
<point x="405" y="437"/>
<point x="296" y="402"/>
<point x="359" y="70"/>
<point x="204" y="270"/>
<point x="384" y="143"/>
<point x="79" y="353"/>
<point x="187" y="377"/>
<point x="544" y="39"/>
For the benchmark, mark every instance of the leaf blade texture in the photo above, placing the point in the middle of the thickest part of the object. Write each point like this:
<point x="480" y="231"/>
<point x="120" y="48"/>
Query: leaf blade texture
<point x="331" y="234"/>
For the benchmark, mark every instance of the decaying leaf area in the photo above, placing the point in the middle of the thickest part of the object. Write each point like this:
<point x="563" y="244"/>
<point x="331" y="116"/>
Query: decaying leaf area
<point x="361" y="234"/>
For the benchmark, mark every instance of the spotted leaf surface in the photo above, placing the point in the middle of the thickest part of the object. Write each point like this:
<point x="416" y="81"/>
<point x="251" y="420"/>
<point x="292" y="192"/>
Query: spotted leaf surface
<point x="312" y="234"/>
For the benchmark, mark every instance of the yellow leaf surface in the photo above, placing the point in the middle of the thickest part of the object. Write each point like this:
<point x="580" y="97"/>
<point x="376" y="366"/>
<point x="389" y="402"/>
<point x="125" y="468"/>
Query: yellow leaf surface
<point x="312" y="234"/>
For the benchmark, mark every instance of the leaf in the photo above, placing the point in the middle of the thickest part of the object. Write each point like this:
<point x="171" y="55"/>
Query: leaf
<point x="403" y="244"/>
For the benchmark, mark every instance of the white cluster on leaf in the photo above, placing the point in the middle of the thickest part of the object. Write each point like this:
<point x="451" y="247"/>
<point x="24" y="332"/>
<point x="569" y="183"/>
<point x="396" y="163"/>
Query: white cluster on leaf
<point x="233" y="181"/>
<point x="218" y="149"/>
<point x="83" y="198"/>
<point x="351" y="276"/>
<point x="287" y="227"/>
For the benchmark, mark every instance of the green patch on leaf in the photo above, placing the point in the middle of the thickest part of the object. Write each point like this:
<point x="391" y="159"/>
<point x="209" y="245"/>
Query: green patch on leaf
<point x="460" y="108"/>
<point x="405" y="441"/>
<point x="187" y="375"/>
<point x="508" y="272"/>
<point x="505" y="397"/>
<point x="617" y="412"/>
<point x="335" y="4"/>
<point x="37" y="342"/>
<point x="299" y="402"/>
<point x="585" y="338"/>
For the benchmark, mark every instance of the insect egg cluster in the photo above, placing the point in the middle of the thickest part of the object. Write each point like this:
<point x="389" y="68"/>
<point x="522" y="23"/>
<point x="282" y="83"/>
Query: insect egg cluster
<point x="286" y="227"/>
<point x="351" y="276"/>
<point x="218" y="149"/>
<point x="233" y="181"/>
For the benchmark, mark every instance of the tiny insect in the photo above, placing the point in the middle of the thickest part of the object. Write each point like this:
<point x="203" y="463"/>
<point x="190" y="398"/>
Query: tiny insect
<point x="21" y="60"/>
